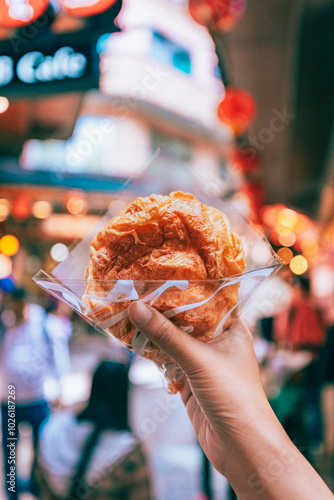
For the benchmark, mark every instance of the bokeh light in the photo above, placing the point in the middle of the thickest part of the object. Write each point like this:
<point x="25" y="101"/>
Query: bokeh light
<point x="21" y="208"/>
<point x="287" y="238"/>
<point x="286" y="254"/>
<point x="309" y="246"/>
<point x="59" y="252"/>
<point x="269" y="214"/>
<point x="299" y="264"/>
<point x="76" y="205"/>
<point x="5" y="266"/>
<point x="4" y="104"/>
<point x="41" y="209"/>
<point x="303" y="224"/>
<point x="9" y="245"/>
<point x="287" y="218"/>
<point x="4" y="209"/>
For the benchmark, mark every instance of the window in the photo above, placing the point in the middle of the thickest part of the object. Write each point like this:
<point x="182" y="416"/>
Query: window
<point x="167" y="51"/>
<point x="181" y="148"/>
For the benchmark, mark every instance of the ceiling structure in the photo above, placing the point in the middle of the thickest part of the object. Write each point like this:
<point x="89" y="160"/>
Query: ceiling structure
<point x="283" y="52"/>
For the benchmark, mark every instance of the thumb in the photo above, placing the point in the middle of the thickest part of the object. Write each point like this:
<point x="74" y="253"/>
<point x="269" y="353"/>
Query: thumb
<point x="185" y="350"/>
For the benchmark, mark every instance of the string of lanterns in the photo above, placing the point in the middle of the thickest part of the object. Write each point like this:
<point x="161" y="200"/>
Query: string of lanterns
<point x="285" y="227"/>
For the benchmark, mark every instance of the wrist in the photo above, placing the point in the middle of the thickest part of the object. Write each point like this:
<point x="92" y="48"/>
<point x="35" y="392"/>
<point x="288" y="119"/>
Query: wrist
<point x="258" y="451"/>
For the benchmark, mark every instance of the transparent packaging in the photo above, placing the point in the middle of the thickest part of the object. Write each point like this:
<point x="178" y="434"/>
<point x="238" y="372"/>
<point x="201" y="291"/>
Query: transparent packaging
<point x="204" y="307"/>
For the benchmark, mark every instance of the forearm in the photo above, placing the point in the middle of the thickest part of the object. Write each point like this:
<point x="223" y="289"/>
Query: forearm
<point x="264" y="464"/>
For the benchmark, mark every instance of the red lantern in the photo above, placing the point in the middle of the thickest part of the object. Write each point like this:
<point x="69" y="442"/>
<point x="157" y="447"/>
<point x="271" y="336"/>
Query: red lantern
<point x="237" y="109"/>
<point x="231" y="17"/>
<point x="247" y="159"/>
<point x="14" y="14"/>
<point x="222" y="14"/>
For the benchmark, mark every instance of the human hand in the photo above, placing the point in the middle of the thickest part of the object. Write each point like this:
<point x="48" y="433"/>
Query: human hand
<point x="229" y="411"/>
<point x="221" y="389"/>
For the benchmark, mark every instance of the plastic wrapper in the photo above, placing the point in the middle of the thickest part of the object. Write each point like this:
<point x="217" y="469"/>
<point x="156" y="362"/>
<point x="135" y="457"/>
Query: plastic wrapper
<point x="204" y="306"/>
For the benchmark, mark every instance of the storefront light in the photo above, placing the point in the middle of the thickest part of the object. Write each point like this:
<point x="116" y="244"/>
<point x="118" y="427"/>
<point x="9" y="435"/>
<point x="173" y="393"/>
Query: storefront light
<point x="4" y="104"/>
<point x="76" y="205"/>
<point x="41" y="209"/>
<point x="9" y="245"/>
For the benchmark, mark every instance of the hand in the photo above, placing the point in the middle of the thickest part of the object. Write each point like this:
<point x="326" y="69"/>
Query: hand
<point x="222" y="388"/>
<point x="227" y="406"/>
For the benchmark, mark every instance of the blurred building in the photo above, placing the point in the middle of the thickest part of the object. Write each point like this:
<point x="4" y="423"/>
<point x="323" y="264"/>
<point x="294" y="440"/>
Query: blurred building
<point x="159" y="86"/>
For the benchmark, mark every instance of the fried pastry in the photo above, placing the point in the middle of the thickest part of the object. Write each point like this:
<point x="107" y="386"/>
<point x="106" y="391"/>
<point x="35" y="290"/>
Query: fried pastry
<point x="162" y="238"/>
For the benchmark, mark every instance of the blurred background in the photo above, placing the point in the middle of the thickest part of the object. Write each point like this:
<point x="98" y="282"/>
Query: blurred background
<point x="241" y="93"/>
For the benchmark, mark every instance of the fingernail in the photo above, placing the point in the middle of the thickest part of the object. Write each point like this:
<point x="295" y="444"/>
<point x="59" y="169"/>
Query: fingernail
<point x="139" y="313"/>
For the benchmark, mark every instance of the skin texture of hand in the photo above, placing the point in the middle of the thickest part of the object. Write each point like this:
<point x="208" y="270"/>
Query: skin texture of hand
<point x="229" y="411"/>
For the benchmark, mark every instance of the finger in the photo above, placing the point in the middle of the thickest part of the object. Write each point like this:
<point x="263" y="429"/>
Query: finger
<point x="185" y="350"/>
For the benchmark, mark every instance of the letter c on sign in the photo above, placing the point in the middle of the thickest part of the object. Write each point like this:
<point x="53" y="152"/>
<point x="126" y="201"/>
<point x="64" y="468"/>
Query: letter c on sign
<point x="25" y="67"/>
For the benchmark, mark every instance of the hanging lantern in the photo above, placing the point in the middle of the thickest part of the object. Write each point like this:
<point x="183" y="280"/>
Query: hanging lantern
<point x="220" y="14"/>
<point x="237" y="109"/>
<point x="15" y="14"/>
<point x="232" y="15"/>
<point x="247" y="160"/>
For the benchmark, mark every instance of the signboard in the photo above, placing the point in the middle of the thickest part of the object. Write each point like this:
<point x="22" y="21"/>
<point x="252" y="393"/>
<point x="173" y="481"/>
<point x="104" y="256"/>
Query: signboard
<point x="16" y="13"/>
<point x="59" y="63"/>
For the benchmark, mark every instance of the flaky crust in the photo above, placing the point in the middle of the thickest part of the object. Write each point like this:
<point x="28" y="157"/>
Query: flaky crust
<point x="173" y="237"/>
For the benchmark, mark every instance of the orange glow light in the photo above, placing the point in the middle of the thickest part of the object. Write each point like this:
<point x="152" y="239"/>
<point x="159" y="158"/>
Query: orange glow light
<point x="287" y="218"/>
<point x="269" y="214"/>
<point x="298" y="264"/>
<point x="285" y="254"/>
<point x="41" y="209"/>
<point x="4" y="209"/>
<point x="309" y="246"/>
<point x="76" y="205"/>
<point x="303" y="224"/>
<point x="287" y="238"/>
<point x="9" y="245"/>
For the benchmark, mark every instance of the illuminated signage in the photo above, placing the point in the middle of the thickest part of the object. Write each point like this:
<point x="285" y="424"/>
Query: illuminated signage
<point x="83" y="8"/>
<point x="16" y="13"/>
<point x="65" y="63"/>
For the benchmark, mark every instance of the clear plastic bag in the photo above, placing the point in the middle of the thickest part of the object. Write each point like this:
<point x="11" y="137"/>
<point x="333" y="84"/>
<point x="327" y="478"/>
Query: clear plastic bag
<point x="196" y="304"/>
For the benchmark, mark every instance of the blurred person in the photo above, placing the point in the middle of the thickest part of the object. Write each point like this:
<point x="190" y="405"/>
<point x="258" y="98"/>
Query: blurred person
<point x="231" y="416"/>
<point x="301" y="328"/>
<point x="30" y="356"/>
<point x="93" y="454"/>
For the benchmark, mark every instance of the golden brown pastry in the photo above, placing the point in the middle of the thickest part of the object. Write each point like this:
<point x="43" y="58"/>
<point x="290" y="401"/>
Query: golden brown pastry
<point x="173" y="237"/>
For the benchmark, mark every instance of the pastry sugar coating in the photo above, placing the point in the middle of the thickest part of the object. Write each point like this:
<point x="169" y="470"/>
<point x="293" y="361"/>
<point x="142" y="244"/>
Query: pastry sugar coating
<point x="173" y="237"/>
